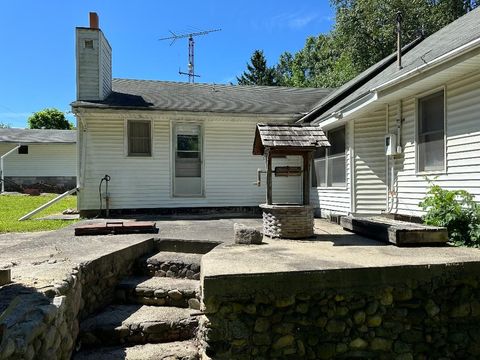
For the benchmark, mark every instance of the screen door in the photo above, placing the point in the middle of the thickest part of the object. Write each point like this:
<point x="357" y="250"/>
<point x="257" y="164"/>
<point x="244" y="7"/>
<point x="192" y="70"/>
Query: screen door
<point x="188" y="160"/>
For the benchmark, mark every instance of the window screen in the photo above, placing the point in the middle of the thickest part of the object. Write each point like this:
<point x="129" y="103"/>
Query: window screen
<point x="431" y="132"/>
<point x="139" y="138"/>
<point x="329" y="163"/>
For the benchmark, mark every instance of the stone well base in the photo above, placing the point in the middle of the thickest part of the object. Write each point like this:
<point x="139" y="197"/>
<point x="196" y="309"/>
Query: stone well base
<point x="287" y="221"/>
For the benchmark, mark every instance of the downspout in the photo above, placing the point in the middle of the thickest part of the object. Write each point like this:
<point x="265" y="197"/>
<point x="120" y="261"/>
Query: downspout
<point x="81" y="150"/>
<point x="2" y="172"/>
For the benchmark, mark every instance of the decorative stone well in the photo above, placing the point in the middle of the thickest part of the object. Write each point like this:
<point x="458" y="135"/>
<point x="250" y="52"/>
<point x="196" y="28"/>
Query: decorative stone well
<point x="288" y="221"/>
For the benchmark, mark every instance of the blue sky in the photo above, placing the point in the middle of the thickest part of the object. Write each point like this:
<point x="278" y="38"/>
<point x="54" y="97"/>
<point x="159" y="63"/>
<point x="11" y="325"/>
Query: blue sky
<point x="37" y="63"/>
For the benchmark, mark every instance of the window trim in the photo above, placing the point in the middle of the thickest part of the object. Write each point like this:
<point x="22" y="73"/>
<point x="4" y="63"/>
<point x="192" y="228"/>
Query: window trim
<point x="126" y="139"/>
<point x="326" y="187"/>
<point x="419" y="97"/>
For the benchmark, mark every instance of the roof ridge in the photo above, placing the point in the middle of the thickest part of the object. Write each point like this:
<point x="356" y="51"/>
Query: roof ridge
<point x="224" y="85"/>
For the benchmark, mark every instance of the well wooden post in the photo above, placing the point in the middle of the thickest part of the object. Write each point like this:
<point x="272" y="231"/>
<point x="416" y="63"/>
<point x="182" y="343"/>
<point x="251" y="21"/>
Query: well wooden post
<point x="306" y="177"/>
<point x="269" y="177"/>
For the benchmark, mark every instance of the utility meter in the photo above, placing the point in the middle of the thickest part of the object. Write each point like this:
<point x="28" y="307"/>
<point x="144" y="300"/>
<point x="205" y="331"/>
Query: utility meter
<point x="390" y="144"/>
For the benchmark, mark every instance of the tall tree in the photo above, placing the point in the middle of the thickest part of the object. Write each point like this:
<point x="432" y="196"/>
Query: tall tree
<point x="258" y="73"/>
<point x="364" y="34"/>
<point x="49" y="118"/>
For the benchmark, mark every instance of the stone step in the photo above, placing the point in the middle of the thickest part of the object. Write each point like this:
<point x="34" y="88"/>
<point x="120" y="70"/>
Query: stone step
<point x="400" y="233"/>
<point x="137" y="324"/>
<point x="180" y="350"/>
<point x="172" y="264"/>
<point x="160" y="291"/>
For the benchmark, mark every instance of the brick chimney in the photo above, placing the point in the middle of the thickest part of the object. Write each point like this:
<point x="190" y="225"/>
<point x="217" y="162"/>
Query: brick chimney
<point x="94" y="62"/>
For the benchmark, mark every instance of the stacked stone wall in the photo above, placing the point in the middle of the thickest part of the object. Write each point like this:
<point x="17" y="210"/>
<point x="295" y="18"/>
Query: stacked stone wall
<point x="388" y="313"/>
<point x="45" y="325"/>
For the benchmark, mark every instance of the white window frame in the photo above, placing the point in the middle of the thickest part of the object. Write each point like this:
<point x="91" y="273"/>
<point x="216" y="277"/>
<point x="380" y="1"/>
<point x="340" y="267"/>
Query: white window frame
<point x="126" y="142"/>
<point x="327" y="155"/>
<point x="418" y="171"/>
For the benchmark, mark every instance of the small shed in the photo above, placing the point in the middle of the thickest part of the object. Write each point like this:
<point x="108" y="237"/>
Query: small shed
<point x="288" y="220"/>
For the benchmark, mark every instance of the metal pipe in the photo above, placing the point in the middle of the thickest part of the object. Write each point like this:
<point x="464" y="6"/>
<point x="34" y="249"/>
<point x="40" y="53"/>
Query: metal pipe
<point x="59" y="197"/>
<point x="399" y="39"/>
<point x="2" y="172"/>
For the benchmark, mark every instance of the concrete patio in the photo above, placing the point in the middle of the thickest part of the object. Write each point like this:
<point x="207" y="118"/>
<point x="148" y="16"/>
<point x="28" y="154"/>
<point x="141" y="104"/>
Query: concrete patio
<point x="42" y="258"/>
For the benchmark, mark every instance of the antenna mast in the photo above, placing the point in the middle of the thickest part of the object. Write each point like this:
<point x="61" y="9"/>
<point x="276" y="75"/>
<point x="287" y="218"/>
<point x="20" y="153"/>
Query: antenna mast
<point x="191" y="51"/>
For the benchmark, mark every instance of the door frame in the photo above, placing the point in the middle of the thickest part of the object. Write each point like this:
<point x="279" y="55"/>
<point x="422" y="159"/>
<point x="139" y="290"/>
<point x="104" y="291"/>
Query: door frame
<point x="173" y="143"/>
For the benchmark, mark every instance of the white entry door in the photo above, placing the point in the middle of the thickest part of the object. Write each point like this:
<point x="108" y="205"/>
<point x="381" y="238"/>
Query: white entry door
<point x="188" y="160"/>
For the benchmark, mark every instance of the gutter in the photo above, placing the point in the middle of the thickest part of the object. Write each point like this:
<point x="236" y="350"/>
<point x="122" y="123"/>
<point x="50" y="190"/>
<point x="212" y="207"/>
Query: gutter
<point x="435" y="62"/>
<point x="366" y="98"/>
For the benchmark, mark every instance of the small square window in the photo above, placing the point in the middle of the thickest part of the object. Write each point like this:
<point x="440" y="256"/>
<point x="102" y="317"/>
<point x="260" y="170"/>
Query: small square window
<point x="88" y="44"/>
<point x="23" y="149"/>
<point x="139" y="138"/>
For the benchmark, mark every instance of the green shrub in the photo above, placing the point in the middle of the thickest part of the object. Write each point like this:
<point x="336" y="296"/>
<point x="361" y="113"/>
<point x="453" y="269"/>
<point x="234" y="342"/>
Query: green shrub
<point x="457" y="211"/>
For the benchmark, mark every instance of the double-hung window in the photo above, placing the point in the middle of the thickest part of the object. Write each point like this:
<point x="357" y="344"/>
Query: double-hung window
<point x="139" y="138"/>
<point x="329" y="163"/>
<point x="431" y="132"/>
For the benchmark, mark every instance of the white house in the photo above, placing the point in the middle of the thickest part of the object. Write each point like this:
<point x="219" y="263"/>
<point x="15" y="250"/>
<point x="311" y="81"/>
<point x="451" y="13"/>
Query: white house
<point x="32" y="156"/>
<point x="392" y="128"/>
<point x="168" y="145"/>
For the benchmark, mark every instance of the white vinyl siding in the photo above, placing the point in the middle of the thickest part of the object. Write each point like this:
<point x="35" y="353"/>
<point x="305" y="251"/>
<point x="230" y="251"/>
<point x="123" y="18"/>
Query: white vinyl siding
<point x="41" y="160"/>
<point x="462" y="147"/>
<point x="370" y="164"/>
<point x="230" y="169"/>
<point x="336" y="200"/>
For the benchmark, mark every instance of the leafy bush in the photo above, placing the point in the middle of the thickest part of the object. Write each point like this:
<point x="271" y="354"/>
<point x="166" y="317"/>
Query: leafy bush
<point x="457" y="211"/>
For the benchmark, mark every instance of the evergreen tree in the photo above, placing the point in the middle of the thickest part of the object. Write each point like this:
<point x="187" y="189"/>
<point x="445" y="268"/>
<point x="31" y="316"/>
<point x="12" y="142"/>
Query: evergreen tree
<point x="258" y="73"/>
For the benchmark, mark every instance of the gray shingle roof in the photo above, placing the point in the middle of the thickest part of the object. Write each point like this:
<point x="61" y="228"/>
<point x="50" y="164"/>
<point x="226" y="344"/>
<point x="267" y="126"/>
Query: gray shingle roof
<point x="288" y="136"/>
<point x="38" y="136"/>
<point x="458" y="33"/>
<point x="176" y="96"/>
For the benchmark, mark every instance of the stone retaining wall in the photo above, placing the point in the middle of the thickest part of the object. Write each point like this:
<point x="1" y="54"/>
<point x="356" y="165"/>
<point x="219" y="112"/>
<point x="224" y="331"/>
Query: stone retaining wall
<point x="415" y="312"/>
<point x="45" y="325"/>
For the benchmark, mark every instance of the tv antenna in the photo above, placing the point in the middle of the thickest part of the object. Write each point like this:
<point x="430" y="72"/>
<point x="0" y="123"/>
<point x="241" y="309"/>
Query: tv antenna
<point x="191" y="50"/>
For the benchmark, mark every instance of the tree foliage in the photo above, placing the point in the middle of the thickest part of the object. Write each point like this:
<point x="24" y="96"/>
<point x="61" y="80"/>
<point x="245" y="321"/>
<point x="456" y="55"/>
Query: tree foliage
<point x="49" y="118"/>
<point x="4" y="125"/>
<point x="364" y="33"/>
<point x="258" y="73"/>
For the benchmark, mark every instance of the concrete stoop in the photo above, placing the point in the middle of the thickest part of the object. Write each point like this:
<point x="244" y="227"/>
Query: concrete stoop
<point x="160" y="291"/>
<point x="400" y="233"/>
<point x="154" y="315"/>
<point x="179" y="350"/>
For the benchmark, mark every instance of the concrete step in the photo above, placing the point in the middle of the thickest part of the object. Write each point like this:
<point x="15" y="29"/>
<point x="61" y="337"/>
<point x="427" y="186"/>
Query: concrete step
<point x="160" y="291"/>
<point x="180" y="350"/>
<point x="172" y="264"/>
<point x="137" y="324"/>
<point x="400" y="233"/>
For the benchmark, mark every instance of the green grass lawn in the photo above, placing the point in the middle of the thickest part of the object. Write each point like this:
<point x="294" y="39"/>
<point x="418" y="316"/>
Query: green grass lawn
<point x="13" y="207"/>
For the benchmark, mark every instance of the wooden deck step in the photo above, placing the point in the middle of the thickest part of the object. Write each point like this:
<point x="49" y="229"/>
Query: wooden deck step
<point x="161" y="291"/>
<point x="400" y="233"/>
<point x="180" y="350"/>
<point x="137" y="324"/>
<point x="172" y="264"/>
